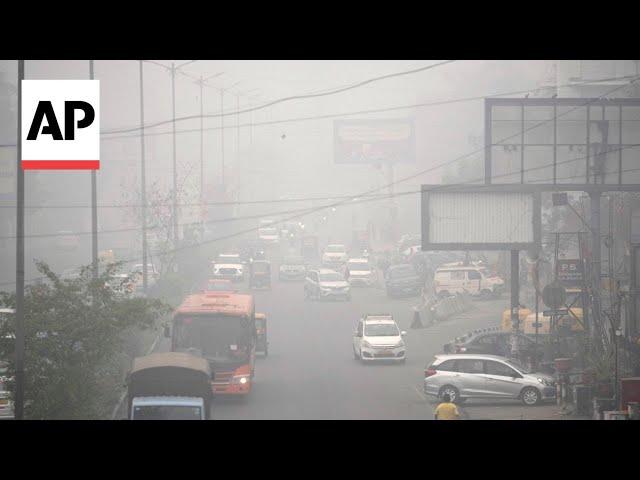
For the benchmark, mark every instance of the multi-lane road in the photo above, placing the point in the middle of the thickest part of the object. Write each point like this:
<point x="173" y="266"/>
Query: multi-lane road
<point x="311" y="373"/>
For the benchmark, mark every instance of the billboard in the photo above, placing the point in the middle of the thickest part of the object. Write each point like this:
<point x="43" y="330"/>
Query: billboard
<point x="562" y="140"/>
<point x="473" y="218"/>
<point x="374" y="141"/>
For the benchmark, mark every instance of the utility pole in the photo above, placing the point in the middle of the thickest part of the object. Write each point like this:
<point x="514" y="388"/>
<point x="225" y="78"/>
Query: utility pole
<point x="19" y="393"/>
<point x="222" y="135"/>
<point x="222" y="90"/>
<point x="596" y="267"/>
<point x="94" y="208"/>
<point x="201" y="141"/>
<point x="201" y="83"/>
<point x="175" y="173"/>
<point x="515" y="299"/>
<point x="143" y="185"/>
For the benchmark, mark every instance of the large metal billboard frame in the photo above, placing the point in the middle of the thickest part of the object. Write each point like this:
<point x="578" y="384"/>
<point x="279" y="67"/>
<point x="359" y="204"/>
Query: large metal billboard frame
<point x="541" y="140"/>
<point x="536" y="225"/>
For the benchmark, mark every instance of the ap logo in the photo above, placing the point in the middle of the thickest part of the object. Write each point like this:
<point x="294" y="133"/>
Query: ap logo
<point x="60" y="124"/>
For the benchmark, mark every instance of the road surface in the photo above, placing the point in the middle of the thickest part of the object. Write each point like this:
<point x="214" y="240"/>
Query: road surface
<point x="311" y="373"/>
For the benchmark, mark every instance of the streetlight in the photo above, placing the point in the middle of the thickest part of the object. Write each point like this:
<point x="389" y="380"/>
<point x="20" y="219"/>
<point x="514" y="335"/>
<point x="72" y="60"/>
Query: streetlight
<point x="222" y="90"/>
<point x="174" y="69"/>
<point x="201" y="82"/>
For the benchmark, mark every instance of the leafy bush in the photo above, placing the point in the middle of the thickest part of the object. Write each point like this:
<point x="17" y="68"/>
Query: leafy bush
<point x="74" y="336"/>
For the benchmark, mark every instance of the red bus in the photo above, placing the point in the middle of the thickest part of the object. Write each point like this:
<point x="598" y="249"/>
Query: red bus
<point x="219" y="326"/>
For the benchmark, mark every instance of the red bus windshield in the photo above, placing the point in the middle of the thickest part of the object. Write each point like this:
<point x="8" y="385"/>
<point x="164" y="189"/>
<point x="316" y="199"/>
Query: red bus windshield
<point x="220" y="338"/>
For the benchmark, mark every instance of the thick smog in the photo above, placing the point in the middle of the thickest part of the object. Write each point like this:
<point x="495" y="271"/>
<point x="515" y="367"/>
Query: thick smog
<point x="319" y="240"/>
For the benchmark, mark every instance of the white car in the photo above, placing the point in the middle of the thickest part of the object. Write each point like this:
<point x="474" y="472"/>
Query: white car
<point x="360" y="272"/>
<point x="378" y="337"/>
<point x="335" y="255"/>
<point x="228" y="271"/>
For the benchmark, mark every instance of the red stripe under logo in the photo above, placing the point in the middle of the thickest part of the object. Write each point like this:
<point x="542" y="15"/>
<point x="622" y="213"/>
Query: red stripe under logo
<point x="61" y="164"/>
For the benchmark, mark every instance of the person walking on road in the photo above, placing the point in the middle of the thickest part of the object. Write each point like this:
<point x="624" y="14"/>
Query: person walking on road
<point x="447" y="410"/>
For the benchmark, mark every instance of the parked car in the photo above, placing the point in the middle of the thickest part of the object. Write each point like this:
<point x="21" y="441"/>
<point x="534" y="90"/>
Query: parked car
<point x="378" y="337"/>
<point x="494" y="341"/>
<point x="334" y="255"/>
<point x="292" y="268"/>
<point x="466" y="376"/>
<point x="402" y="279"/>
<point x="474" y="280"/>
<point x="360" y="272"/>
<point x="6" y="405"/>
<point x="324" y="283"/>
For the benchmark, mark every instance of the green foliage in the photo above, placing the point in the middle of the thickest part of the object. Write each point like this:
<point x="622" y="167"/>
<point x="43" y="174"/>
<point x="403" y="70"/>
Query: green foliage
<point x="74" y="334"/>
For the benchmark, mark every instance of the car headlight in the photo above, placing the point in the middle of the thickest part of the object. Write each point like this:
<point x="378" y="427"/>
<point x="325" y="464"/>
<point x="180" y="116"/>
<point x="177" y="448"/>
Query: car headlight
<point x="545" y="382"/>
<point x="400" y="344"/>
<point x="366" y="344"/>
<point x="240" y="379"/>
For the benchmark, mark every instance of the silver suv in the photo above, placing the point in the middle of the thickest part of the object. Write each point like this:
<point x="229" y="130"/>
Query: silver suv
<point x="467" y="376"/>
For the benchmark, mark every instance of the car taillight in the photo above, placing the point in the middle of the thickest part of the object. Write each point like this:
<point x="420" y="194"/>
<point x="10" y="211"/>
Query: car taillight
<point x="460" y="349"/>
<point x="429" y="371"/>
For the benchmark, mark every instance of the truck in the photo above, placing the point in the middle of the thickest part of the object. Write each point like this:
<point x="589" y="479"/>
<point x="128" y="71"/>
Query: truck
<point x="169" y="386"/>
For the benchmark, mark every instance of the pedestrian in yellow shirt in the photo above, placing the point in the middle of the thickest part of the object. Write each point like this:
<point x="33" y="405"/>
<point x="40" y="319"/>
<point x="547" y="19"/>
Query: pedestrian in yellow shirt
<point x="447" y="410"/>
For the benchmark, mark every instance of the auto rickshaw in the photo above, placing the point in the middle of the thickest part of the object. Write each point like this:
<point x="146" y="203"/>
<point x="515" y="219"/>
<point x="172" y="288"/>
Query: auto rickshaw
<point x="260" y="274"/>
<point x="262" y="345"/>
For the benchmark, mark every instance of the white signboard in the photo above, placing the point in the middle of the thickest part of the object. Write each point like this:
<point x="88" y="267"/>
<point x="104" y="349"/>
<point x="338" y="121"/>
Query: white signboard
<point x="470" y="220"/>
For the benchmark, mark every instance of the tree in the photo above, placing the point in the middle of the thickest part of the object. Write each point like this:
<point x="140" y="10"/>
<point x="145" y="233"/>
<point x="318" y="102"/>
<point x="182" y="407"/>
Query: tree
<point x="75" y="333"/>
<point x="159" y="215"/>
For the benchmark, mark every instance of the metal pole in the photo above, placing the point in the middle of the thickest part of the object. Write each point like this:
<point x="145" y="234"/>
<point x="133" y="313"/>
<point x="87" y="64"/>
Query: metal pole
<point x="595" y="261"/>
<point x="515" y="298"/>
<point x="19" y="393"/>
<point x="175" y="173"/>
<point x="201" y="143"/>
<point x="143" y="186"/>
<point x="94" y="208"/>
<point x="239" y="175"/>
<point x="537" y="287"/>
<point x="222" y="135"/>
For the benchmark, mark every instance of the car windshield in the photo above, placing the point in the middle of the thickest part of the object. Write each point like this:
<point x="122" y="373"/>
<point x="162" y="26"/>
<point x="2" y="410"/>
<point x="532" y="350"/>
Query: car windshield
<point x="381" y="330"/>
<point x="359" y="266"/>
<point x="518" y="366"/>
<point x="166" y="412"/>
<point x="402" y="272"/>
<point x="335" y="249"/>
<point x="331" y="277"/>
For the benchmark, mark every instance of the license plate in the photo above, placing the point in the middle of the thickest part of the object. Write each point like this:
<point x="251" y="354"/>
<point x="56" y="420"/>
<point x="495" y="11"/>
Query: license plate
<point x="4" y="401"/>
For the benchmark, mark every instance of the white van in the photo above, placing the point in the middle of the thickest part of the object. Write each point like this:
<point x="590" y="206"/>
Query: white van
<point x="474" y="280"/>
